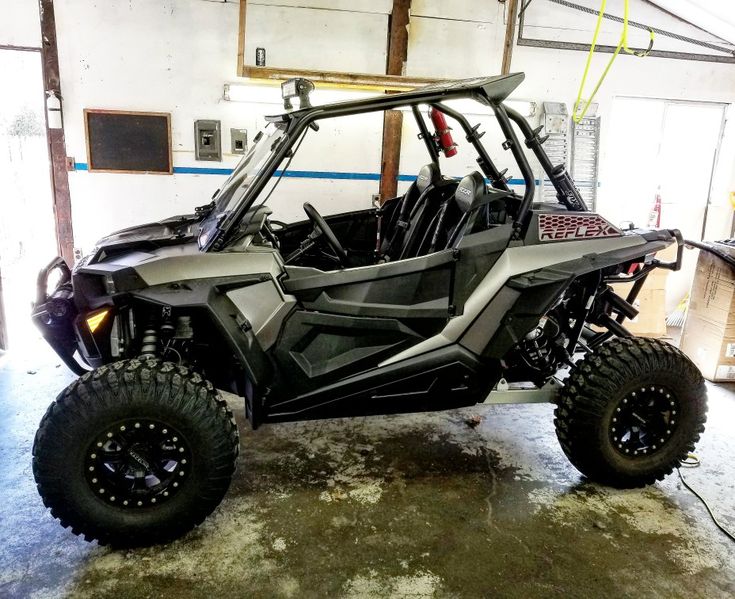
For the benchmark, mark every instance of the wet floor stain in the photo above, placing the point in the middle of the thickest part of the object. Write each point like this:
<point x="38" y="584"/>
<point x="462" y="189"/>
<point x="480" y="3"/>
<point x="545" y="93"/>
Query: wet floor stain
<point x="421" y="505"/>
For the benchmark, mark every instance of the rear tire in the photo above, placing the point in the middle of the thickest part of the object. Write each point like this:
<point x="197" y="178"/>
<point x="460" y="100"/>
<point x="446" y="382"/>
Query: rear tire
<point x="631" y="412"/>
<point x="135" y="453"/>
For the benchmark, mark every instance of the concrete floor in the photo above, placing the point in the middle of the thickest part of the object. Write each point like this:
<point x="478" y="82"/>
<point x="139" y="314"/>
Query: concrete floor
<point x="404" y="506"/>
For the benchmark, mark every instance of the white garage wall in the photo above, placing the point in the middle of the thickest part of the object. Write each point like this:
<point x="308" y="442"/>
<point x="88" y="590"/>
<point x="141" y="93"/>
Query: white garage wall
<point x="19" y="24"/>
<point x="175" y="55"/>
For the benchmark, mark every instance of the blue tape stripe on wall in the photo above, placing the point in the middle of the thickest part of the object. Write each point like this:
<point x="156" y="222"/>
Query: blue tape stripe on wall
<point x="201" y="170"/>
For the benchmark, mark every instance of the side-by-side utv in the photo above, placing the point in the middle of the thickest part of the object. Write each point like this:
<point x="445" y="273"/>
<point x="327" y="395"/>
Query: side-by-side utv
<point x="458" y="292"/>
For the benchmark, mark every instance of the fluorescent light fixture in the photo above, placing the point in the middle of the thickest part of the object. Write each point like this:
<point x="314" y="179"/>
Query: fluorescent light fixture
<point x="268" y="94"/>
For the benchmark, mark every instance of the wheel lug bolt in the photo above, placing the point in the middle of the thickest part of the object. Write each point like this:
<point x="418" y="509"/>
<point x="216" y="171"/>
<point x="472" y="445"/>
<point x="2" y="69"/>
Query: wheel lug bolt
<point x="125" y="502"/>
<point x="94" y="480"/>
<point x="109" y="435"/>
<point x="99" y="444"/>
<point x="176" y="484"/>
<point x="93" y="456"/>
<point x="164" y="431"/>
<point x="175" y="439"/>
<point x="181" y="450"/>
<point x="165" y="493"/>
<point x="137" y="425"/>
<point x="91" y="468"/>
<point x="181" y="473"/>
<point x="112" y="498"/>
<point x="151" y="426"/>
<point x="140" y="503"/>
<point x="102" y="490"/>
<point x="122" y="428"/>
<point x="662" y="440"/>
<point x="153" y="500"/>
<point x="183" y="461"/>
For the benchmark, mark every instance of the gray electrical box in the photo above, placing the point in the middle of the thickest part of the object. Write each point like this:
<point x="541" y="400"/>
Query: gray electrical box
<point x="207" y="140"/>
<point x="239" y="140"/>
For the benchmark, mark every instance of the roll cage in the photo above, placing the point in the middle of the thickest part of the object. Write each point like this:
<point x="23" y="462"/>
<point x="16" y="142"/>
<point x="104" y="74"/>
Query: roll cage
<point x="490" y="91"/>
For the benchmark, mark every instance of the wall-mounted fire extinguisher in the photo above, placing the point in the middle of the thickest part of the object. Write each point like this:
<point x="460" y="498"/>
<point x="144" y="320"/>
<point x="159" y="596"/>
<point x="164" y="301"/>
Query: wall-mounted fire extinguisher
<point x="443" y="133"/>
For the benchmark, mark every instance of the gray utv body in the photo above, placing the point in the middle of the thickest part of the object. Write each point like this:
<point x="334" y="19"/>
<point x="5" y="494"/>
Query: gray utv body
<point x="433" y="325"/>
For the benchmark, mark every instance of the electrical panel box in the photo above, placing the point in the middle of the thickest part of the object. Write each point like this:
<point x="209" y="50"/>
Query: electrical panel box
<point x="239" y="140"/>
<point x="207" y="140"/>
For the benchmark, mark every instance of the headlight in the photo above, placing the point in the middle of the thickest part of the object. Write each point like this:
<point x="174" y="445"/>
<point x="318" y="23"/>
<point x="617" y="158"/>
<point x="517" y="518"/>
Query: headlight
<point x="95" y="319"/>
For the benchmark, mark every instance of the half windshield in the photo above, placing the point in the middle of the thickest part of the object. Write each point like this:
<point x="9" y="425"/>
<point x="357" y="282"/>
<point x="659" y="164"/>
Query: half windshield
<point x="234" y="189"/>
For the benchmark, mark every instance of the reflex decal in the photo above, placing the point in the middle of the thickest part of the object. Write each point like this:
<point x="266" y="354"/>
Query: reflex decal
<point x="564" y="227"/>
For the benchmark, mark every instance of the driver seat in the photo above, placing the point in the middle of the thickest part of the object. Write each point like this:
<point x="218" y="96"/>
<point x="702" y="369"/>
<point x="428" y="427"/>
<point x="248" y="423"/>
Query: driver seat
<point x="393" y="241"/>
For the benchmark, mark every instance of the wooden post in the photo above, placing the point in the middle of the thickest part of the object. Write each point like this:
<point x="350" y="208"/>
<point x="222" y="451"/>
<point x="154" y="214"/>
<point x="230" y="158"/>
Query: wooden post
<point x="55" y="136"/>
<point x="393" y="119"/>
<point x="241" y="38"/>
<point x="510" y="31"/>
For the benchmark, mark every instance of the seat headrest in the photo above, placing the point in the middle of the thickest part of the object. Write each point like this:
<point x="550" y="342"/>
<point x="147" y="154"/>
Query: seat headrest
<point x="428" y="175"/>
<point x="470" y="189"/>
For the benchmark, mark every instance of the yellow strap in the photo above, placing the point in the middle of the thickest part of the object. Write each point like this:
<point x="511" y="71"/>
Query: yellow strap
<point x="622" y="45"/>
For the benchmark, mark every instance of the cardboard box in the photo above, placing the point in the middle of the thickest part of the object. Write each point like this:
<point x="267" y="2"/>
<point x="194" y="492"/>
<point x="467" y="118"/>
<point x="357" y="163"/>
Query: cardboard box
<point x="709" y="331"/>
<point x="651" y="306"/>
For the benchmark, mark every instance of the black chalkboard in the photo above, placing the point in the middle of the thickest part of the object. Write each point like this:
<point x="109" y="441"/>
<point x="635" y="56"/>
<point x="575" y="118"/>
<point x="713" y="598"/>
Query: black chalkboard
<point x="130" y="142"/>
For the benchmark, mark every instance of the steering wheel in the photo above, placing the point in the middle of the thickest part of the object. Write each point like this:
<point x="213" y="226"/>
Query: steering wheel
<point x="322" y="228"/>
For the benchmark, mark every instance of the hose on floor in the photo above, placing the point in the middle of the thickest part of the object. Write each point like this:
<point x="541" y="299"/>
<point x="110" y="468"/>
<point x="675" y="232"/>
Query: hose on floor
<point x="692" y="461"/>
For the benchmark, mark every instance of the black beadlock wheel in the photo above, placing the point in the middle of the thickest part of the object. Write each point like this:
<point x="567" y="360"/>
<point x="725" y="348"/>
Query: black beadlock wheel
<point x="135" y="453"/>
<point x="631" y="411"/>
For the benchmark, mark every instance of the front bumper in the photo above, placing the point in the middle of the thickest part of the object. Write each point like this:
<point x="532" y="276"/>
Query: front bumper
<point x="55" y="314"/>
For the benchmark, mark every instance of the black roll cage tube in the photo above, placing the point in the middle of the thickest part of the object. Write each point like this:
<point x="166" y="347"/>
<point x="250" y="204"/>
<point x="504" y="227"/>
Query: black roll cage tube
<point x="297" y="122"/>
<point x="425" y="134"/>
<point x="473" y="136"/>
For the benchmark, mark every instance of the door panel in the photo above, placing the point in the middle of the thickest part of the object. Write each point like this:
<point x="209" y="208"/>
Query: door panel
<point x="316" y="349"/>
<point x="351" y="320"/>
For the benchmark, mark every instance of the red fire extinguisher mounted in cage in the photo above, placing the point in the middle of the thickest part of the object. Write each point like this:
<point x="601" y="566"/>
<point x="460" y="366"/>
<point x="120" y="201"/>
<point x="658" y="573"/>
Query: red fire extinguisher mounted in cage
<point x="443" y="133"/>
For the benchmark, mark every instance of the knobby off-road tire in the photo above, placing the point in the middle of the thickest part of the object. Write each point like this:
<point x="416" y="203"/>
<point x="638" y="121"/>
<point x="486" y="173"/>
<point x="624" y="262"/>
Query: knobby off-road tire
<point x="135" y="453"/>
<point x="631" y="411"/>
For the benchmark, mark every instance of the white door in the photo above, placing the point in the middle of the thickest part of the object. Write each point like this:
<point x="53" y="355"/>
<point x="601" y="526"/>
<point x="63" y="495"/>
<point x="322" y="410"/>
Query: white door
<point x="667" y="147"/>
<point x="27" y="231"/>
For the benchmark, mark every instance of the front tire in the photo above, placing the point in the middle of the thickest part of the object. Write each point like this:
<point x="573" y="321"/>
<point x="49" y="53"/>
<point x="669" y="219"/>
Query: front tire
<point x="631" y="412"/>
<point x="135" y="453"/>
